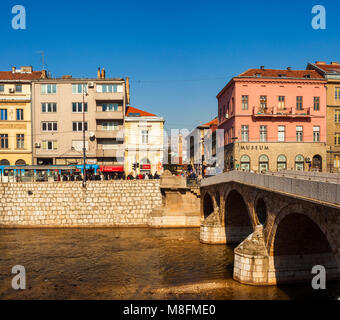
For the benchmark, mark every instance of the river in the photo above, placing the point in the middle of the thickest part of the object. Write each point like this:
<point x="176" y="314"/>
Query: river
<point x="129" y="263"/>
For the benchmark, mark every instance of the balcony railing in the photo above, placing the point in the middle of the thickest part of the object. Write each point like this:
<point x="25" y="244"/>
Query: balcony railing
<point x="276" y="112"/>
<point x="105" y="115"/>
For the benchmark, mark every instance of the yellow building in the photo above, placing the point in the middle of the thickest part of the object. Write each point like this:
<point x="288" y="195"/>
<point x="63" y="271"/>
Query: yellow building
<point x="15" y="115"/>
<point x="143" y="137"/>
<point x="332" y="73"/>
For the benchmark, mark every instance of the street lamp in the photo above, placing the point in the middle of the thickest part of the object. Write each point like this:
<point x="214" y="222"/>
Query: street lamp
<point x="84" y="148"/>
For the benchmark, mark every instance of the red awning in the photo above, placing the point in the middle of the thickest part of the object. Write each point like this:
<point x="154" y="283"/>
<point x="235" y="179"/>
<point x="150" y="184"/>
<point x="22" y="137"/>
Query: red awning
<point x="111" y="168"/>
<point x="146" y="166"/>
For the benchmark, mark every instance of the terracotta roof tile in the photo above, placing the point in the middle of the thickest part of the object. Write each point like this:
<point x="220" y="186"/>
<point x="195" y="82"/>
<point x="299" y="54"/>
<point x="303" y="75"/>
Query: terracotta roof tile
<point x="273" y="73"/>
<point x="9" y="75"/>
<point x="329" y="68"/>
<point x="141" y="113"/>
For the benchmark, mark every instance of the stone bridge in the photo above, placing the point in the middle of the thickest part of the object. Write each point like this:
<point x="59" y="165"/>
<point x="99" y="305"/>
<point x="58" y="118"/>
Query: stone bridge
<point x="283" y="225"/>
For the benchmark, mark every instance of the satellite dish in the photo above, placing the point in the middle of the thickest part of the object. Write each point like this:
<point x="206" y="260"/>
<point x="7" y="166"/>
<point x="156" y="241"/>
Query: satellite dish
<point x="91" y="134"/>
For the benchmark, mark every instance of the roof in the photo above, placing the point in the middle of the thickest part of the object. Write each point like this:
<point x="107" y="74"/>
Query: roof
<point x="9" y="75"/>
<point x="275" y="73"/>
<point x="329" y="68"/>
<point x="213" y="122"/>
<point x="134" y="112"/>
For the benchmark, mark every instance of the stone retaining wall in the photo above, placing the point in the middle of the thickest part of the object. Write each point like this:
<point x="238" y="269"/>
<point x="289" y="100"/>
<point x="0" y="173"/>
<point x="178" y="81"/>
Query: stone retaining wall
<point x="68" y="204"/>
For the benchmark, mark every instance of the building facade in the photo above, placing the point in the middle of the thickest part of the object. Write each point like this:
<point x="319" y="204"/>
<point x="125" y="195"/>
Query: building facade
<point x="62" y="105"/>
<point x="331" y="72"/>
<point x="143" y="142"/>
<point x="15" y="109"/>
<point x="274" y="120"/>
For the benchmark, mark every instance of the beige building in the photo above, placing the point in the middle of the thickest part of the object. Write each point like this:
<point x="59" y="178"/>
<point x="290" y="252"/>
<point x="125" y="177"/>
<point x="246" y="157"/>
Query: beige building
<point x="332" y="73"/>
<point x="59" y="107"/>
<point x="15" y="115"/>
<point x="143" y="142"/>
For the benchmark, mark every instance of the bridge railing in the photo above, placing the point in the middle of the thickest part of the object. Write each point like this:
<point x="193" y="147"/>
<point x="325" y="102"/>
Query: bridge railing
<point x="316" y="190"/>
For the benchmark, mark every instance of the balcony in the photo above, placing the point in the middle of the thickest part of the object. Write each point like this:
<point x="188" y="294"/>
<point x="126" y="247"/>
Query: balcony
<point x="108" y="96"/>
<point x="111" y="153"/>
<point x="110" y="134"/>
<point x="108" y="115"/>
<point x="279" y="113"/>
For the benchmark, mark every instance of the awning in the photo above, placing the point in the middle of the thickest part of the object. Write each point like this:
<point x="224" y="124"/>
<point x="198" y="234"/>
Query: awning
<point x="146" y="166"/>
<point x="111" y="168"/>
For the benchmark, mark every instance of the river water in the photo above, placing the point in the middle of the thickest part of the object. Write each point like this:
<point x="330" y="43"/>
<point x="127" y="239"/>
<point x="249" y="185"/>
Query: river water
<point x="129" y="263"/>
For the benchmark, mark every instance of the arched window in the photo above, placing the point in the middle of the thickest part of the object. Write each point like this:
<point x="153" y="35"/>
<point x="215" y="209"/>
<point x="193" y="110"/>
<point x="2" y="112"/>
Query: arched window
<point x="281" y="163"/>
<point x="263" y="163"/>
<point x="299" y="163"/>
<point x="245" y="163"/>
<point x="20" y="162"/>
<point x="4" y="162"/>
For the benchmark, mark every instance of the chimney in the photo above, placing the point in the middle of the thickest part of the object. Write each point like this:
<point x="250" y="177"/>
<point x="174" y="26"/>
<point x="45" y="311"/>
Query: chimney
<point x="103" y="73"/>
<point x="26" y="69"/>
<point x="43" y="74"/>
<point x="320" y="62"/>
<point x="289" y="68"/>
<point x="262" y="67"/>
<point x="334" y="63"/>
<point x="98" y="73"/>
<point x="13" y="69"/>
<point x="127" y="88"/>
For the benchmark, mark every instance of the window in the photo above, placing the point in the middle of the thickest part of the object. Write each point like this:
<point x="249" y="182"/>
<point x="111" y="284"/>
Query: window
<point x="245" y="163"/>
<point x="281" y="103"/>
<point x="48" y="88"/>
<point x="48" y="107"/>
<point x="299" y="133"/>
<point x="109" y="125"/>
<point x="316" y="103"/>
<point x="78" y="107"/>
<point x="49" y="126"/>
<point x="2" y="88"/>
<point x="245" y="133"/>
<point x="20" y="114"/>
<point x="299" y="103"/>
<point x="49" y="145"/>
<point x="263" y="102"/>
<point x="3" y="114"/>
<point x="337" y="162"/>
<point x="78" y="126"/>
<point x="245" y="100"/>
<point x="145" y="136"/>
<point x="263" y="133"/>
<point x="110" y="107"/>
<point x="337" y="116"/>
<point x="263" y="163"/>
<point x="3" y="141"/>
<point x="299" y="163"/>
<point x="316" y="134"/>
<point x="18" y="88"/>
<point x="20" y="141"/>
<point x="79" y="88"/>
<point x="337" y="139"/>
<point x="337" y="93"/>
<point x="281" y="163"/>
<point x="281" y="134"/>
<point x="112" y="88"/>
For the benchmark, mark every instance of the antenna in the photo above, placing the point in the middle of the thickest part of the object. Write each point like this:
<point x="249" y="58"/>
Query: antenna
<point x="42" y="59"/>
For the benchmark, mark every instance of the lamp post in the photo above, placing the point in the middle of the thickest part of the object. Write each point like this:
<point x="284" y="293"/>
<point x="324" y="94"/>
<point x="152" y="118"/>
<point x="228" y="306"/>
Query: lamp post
<point x="84" y="148"/>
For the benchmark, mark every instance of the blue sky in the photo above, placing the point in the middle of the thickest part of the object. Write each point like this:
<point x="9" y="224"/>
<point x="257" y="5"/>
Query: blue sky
<point x="178" y="54"/>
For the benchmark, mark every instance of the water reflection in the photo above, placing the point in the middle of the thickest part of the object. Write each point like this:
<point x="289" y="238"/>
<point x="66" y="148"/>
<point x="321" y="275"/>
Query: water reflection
<point x="128" y="264"/>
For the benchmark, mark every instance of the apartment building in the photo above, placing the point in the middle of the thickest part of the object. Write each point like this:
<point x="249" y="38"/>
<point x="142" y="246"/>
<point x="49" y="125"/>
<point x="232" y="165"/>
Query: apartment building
<point x="15" y="115"/>
<point x="143" y="141"/>
<point x="331" y="72"/>
<point x="274" y="120"/>
<point x="63" y="105"/>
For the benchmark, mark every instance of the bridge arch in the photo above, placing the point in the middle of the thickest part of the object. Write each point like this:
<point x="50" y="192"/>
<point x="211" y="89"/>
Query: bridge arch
<point x="261" y="210"/>
<point x="208" y="205"/>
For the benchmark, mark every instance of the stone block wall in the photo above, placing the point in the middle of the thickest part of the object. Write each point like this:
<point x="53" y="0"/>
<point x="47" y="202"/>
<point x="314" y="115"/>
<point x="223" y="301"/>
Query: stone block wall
<point x="68" y="204"/>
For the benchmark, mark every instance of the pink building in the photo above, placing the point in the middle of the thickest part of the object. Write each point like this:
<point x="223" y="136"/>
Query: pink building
<point x="274" y="120"/>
